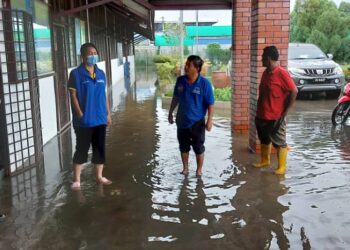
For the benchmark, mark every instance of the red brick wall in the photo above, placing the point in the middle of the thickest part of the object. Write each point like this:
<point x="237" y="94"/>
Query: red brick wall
<point x="241" y="65"/>
<point x="256" y="24"/>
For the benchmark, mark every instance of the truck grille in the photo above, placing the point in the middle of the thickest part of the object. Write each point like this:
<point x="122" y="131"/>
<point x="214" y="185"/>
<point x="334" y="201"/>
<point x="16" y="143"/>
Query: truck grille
<point x="319" y="72"/>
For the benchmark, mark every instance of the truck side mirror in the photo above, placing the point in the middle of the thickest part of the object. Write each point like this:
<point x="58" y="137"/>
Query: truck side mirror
<point x="330" y="56"/>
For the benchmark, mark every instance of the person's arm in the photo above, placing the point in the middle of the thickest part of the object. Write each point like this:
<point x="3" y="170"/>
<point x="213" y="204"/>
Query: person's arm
<point x="209" y="123"/>
<point x="174" y="103"/>
<point x="290" y="102"/>
<point x="73" y="96"/>
<point x="293" y="92"/>
<point x="75" y="103"/>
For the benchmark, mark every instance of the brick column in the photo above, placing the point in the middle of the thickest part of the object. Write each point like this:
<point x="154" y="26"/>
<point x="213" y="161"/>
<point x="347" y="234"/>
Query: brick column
<point x="240" y="65"/>
<point x="269" y="26"/>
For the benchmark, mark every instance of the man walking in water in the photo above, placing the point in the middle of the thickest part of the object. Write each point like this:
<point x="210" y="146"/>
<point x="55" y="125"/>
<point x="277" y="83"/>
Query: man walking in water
<point x="194" y="95"/>
<point x="277" y="94"/>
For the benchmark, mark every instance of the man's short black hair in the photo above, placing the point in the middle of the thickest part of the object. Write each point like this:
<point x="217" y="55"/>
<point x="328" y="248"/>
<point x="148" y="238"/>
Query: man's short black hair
<point x="85" y="46"/>
<point x="197" y="62"/>
<point x="272" y="52"/>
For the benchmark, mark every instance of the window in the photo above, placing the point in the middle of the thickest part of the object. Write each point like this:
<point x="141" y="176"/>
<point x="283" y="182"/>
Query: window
<point x="42" y="38"/>
<point x="80" y="37"/>
<point x="41" y="30"/>
<point x="26" y="5"/>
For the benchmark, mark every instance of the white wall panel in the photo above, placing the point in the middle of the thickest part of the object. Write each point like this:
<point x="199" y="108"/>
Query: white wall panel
<point x="48" y="108"/>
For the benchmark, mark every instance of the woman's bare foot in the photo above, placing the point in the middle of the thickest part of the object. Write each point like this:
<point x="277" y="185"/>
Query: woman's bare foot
<point x="198" y="173"/>
<point x="184" y="171"/>
<point x="104" y="181"/>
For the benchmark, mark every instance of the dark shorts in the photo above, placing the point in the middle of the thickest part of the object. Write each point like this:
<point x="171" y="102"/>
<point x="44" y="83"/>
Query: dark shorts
<point x="193" y="136"/>
<point x="95" y="136"/>
<point x="272" y="132"/>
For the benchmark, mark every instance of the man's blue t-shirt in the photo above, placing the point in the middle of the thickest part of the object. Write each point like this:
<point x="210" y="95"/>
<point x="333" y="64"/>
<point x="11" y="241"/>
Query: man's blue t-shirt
<point x="194" y="100"/>
<point x="91" y="96"/>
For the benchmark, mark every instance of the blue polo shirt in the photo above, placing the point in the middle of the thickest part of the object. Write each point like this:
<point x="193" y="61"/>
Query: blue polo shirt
<point x="194" y="100"/>
<point x="91" y="96"/>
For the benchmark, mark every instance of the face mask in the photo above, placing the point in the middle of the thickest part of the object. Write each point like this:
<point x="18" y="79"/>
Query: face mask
<point x="92" y="59"/>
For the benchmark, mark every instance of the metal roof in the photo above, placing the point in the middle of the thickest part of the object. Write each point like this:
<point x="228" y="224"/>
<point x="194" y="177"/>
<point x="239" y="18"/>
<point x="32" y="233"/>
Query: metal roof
<point x="208" y="31"/>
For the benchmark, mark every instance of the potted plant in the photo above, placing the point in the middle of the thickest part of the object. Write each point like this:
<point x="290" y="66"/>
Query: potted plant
<point x="219" y="76"/>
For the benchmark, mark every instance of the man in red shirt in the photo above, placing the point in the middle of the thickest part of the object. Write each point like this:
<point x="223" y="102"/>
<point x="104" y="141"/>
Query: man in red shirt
<point x="277" y="94"/>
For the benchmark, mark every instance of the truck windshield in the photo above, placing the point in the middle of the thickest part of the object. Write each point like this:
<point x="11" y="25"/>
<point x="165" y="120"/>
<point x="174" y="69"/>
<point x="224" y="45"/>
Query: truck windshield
<point x="305" y="52"/>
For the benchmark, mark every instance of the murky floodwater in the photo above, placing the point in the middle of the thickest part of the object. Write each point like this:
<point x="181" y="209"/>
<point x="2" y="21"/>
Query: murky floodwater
<point x="152" y="206"/>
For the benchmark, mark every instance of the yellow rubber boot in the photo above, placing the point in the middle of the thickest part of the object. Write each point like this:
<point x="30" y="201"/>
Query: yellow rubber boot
<point x="282" y="160"/>
<point x="265" y="156"/>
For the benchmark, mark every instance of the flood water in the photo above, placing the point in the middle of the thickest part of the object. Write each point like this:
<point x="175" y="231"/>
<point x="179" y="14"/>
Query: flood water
<point x="150" y="205"/>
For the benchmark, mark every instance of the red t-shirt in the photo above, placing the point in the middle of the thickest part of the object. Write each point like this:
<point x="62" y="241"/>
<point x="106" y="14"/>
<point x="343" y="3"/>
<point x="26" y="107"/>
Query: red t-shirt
<point x="274" y="89"/>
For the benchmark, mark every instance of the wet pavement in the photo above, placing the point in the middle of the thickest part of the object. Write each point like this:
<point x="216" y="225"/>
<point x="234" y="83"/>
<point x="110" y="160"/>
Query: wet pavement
<point x="151" y="205"/>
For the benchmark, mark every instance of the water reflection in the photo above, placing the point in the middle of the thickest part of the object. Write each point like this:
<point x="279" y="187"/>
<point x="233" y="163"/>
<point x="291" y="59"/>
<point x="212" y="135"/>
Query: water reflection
<point x="151" y="206"/>
<point x="341" y="138"/>
<point x="259" y="214"/>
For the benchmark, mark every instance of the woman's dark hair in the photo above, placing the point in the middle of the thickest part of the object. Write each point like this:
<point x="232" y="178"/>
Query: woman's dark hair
<point x="197" y="62"/>
<point x="85" y="46"/>
<point x="272" y="52"/>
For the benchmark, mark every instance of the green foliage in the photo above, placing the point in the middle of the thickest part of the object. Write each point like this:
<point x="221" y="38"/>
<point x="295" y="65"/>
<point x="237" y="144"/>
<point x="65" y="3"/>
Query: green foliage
<point x="161" y="59"/>
<point x="186" y="51"/>
<point x="344" y="51"/>
<point x="144" y="57"/>
<point x="173" y="31"/>
<point x="223" y="94"/>
<point x="322" y="23"/>
<point x="346" y="70"/>
<point x="213" y="50"/>
<point x="169" y="93"/>
<point x="344" y="8"/>
<point x="165" y="72"/>
<point x="219" y="67"/>
<point x="216" y="55"/>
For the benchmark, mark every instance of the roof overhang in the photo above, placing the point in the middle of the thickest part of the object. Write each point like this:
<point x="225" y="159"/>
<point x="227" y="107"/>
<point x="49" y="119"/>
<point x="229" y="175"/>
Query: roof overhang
<point x="140" y="16"/>
<point x="140" y="13"/>
<point x="189" y="4"/>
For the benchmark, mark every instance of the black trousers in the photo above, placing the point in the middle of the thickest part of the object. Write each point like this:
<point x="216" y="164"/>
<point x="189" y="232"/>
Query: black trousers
<point x="193" y="136"/>
<point x="95" y="136"/>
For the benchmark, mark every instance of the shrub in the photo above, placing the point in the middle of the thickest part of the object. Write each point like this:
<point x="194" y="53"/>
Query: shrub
<point x="162" y="59"/>
<point x="165" y="72"/>
<point x="223" y="94"/>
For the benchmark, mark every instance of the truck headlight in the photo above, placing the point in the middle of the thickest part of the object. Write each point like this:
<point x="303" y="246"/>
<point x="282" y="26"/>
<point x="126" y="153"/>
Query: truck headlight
<point x="339" y="71"/>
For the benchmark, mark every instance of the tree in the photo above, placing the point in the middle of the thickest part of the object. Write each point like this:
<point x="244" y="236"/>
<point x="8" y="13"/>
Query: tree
<point x="172" y="32"/>
<point x="216" y="55"/>
<point x="344" y="8"/>
<point x="213" y="51"/>
<point x="322" y="23"/>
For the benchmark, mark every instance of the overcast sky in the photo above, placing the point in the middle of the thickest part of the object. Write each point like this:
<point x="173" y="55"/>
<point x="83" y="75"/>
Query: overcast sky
<point x="337" y="2"/>
<point x="222" y="17"/>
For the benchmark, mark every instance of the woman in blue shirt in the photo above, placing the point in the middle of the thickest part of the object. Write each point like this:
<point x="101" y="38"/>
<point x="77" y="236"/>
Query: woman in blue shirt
<point x="91" y="115"/>
<point x="194" y="96"/>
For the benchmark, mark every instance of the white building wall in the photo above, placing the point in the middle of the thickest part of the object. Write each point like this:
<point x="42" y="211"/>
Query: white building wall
<point x="118" y="86"/>
<point x="131" y="59"/>
<point x="48" y="109"/>
<point x="117" y="71"/>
